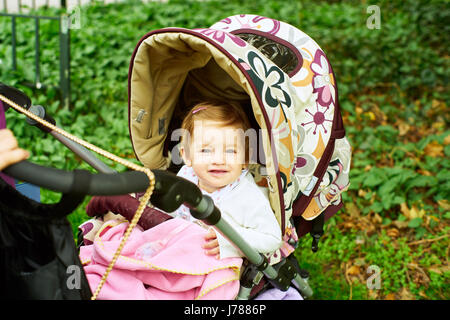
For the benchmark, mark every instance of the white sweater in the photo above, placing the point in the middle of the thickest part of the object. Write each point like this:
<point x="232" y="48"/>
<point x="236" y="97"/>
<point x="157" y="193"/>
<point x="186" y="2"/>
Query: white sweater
<point x="246" y="208"/>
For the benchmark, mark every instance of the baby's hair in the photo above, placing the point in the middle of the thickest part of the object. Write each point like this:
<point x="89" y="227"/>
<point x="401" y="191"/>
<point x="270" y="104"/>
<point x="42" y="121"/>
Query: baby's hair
<point x="225" y="113"/>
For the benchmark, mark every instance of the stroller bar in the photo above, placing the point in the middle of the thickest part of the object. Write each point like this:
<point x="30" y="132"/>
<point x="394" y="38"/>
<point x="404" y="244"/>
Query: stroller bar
<point x="83" y="153"/>
<point x="210" y="214"/>
<point x="78" y="149"/>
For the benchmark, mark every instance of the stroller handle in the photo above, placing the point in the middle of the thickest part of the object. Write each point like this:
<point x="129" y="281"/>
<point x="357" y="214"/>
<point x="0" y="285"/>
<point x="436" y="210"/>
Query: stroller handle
<point x="170" y="190"/>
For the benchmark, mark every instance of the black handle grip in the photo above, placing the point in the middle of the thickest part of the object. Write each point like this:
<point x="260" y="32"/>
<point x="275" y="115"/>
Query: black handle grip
<point x="15" y="95"/>
<point x="170" y="190"/>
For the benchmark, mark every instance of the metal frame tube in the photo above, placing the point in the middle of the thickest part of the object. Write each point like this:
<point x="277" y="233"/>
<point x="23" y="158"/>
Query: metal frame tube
<point x="83" y="153"/>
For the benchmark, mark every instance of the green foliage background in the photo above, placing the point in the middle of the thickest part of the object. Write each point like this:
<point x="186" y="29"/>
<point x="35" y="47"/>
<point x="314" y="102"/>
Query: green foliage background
<point x="393" y="89"/>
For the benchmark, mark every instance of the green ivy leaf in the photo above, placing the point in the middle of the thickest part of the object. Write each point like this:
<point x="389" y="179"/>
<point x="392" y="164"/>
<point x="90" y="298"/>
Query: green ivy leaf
<point x="415" y="223"/>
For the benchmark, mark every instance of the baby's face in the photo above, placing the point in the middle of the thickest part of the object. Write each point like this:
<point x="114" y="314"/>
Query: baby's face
<point x="216" y="153"/>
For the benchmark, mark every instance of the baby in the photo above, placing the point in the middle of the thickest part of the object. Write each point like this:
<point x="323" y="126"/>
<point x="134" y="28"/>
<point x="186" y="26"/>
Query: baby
<point x="216" y="158"/>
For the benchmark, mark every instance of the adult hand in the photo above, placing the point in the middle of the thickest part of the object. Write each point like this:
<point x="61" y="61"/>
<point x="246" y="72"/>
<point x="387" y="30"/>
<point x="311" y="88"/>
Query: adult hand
<point x="212" y="244"/>
<point x="10" y="152"/>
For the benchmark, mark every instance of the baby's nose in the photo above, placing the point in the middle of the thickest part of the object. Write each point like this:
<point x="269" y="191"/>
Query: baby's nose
<point x="219" y="157"/>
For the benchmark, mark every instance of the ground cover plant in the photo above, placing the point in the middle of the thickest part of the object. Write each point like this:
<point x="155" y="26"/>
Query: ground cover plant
<point x="393" y="89"/>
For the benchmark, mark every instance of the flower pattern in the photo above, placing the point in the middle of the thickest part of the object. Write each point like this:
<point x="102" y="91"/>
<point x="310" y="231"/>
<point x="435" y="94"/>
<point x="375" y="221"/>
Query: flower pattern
<point x="323" y="80"/>
<point x="300" y="106"/>
<point x="220" y="36"/>
<point x="270" y="80"/>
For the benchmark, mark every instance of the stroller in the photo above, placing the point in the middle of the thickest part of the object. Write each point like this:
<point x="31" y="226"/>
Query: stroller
<point x="286" y="86"/>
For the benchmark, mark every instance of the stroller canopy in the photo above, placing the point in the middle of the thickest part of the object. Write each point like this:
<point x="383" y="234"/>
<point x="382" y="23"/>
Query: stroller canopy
<point x="278" y="74"/>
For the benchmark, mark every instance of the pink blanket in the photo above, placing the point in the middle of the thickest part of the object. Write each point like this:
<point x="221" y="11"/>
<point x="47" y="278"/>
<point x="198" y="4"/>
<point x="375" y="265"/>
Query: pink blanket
<point x="164" y="262"/>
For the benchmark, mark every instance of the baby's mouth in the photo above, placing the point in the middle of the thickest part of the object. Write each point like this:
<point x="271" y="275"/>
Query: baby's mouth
<point x="217" y="172"/>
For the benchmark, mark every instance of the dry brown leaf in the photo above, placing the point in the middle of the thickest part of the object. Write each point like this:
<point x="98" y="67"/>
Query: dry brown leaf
<point x="412" y="213"/>
<point x="393" y="233"/>
<point x="376" y="218"/>
<point x="390" y="296"/>
<point x="349" y="225"/>
<point x="353" y="271"/>
<point x="444" y="204"/>
<point x="353" y="210"/>
<point x="424" y="172"/>
<point x="406" y="295"/>
<point x="435" y="103"/>
<point x="404" y="209"/>
<point x="401" y="224"/>
<point x="416" y="213"/>
<point x="373" y="294"/>
<point x="371" y="115"/>
<point x="438" y="125"/>
<point x="447" y="140"/>
<point x="434" y="149"/>
<point x="403" y="128"/>
<point x="439" y="269"/>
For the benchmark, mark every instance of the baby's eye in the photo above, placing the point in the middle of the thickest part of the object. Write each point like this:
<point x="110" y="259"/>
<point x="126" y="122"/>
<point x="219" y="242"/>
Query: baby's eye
<point x="205" y="150"/>
<point x="230" y="151"/>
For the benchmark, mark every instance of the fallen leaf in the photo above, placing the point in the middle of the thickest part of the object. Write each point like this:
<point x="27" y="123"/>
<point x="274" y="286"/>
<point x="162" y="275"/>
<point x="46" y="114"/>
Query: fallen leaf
<point x="439" y="269"/>
<point x="412" y="213"/>
<point x="438" y="125"/>
<point x="353" y="271"/>
<point x="434" y="149"/>
<point x="423" y="295"/>
<point x="349" y="225"/>
<point x="435" y="103"/>
<point x="390" y="296"/>
<point x="444" y="204"/>
<point x="405" y="210"/>
<point x="353" y="210"/>
<point x="371" y="115"/>
<point x="376" y="218"/>
<point x="393" y="233"/>
<point x="416" y="213"/>
<point x="373" y="294"/>
<point x="447" y="140"/>
<point x="406" y="295"/>
<point x="403" y="128"/>
<point x="425" y="172"/>
<point x="401" y="224"/>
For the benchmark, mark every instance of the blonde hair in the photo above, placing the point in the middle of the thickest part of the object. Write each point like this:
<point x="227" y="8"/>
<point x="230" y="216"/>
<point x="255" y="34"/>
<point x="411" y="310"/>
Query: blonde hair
<point x="225" y="113"/>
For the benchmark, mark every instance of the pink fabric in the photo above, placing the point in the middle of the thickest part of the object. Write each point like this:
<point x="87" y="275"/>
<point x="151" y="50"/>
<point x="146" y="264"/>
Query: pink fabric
<point x="164" y="262"/>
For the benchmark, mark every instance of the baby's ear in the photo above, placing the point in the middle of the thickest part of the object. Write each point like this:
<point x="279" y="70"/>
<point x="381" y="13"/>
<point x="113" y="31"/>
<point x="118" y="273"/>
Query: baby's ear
<point x="186" y="159"/>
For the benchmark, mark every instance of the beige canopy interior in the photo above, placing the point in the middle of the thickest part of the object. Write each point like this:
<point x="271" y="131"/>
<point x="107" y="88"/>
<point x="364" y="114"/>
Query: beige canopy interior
<point x="171" y="72"/>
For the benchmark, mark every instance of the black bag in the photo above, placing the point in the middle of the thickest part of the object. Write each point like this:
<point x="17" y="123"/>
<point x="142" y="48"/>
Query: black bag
<point x="38" y="256"/>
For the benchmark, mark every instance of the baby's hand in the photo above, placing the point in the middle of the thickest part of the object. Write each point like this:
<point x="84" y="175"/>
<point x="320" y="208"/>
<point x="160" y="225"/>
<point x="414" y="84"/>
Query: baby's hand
<point x="212" y="244"/>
